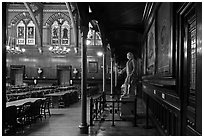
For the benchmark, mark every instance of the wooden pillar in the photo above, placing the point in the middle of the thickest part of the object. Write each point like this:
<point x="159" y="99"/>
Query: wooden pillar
<point x="83" y="126"/>
<point x="4" y="27"/>
<point x="77" y="33"/>
<point x="104" y="70"/>
<point x="112" y="85"/>
<point x="116" y="74"/>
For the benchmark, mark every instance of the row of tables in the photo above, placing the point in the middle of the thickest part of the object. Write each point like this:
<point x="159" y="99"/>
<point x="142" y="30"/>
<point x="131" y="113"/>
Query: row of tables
<point x="38" y="91"/>
<point x="22" y="101"/>
<point x="54" y="96"/>
<point x="67" y="94"/>
<point x="59" y="95"/>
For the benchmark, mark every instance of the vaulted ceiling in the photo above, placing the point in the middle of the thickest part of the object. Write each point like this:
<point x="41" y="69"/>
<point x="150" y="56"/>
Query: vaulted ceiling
<point x="121" y="23"/>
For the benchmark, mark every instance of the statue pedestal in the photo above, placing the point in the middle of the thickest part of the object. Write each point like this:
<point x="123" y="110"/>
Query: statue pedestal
<point x="128" y="108"/>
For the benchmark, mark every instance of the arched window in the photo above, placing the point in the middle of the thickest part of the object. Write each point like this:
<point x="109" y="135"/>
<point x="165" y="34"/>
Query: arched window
<point x="30" y="33"/>
<point x="93" y="36"/>
<point x="98" y="40"/>
<point x="65" y="33"/>
<point x="25" y="33"/>
<point x="21" y="33"/>
<point x="60" y="32"/>
<point x="55" y="33"/>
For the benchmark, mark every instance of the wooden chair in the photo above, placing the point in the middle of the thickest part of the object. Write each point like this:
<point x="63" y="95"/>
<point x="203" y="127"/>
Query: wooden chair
<point x="36" y="110"/>
<point x="61" y="102"/>
<point x="11" y="124"/>
<point x="25" y="114"/>
<point x="45" y="107"/>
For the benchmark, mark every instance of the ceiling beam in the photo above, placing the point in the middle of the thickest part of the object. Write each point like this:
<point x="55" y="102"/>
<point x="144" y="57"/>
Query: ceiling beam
<point x="72" y="21"/>
<point x="39" y="27"/>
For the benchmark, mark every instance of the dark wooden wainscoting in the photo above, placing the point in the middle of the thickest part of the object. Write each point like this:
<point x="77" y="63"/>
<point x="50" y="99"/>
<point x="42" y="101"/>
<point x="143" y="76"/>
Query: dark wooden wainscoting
<point x="164" y="108"/>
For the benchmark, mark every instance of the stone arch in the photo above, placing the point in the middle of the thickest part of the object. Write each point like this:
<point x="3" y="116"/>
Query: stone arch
<point x="19" y="17"/>
<point x="57" y="16"/>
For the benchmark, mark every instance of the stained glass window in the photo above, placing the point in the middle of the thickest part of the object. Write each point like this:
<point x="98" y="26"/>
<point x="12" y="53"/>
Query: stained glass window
<point x="55" y="33"/>
<point x="93" y="36"/>
<point x="61" y="32"/>
<point x="21" y="33"/>
<point x="30" y="39"/>
<point x="65" y="33"/>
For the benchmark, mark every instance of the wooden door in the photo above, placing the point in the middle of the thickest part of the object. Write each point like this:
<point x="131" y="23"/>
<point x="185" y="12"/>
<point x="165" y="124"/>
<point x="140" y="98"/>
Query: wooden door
<point x="64" y="77"/>
<point x="192" y="69"/>
<point x="18" y="75"/>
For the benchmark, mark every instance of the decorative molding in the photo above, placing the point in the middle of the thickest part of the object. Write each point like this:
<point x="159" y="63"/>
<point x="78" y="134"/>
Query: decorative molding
<point x="17" y="10"/>
<point x="20" y="16"/>
<point x="55" y="10"/>
<point x="25" y="10"/>
<point x="56" y="16"/>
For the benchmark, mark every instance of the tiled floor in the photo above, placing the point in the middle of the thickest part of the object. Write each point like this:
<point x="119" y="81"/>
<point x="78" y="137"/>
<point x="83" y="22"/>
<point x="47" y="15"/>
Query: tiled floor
<point x="65" y="122"/>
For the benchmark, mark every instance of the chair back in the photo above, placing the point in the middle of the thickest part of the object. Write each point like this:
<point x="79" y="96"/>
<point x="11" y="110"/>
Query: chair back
<point x="11" y="115"/>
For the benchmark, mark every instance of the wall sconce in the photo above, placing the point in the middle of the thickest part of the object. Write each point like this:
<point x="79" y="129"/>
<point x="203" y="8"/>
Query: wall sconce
<point x="76" y="50"/>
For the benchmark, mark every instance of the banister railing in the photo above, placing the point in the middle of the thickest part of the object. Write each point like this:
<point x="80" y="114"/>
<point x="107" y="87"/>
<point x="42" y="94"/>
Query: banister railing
<point x="97" y="107"/>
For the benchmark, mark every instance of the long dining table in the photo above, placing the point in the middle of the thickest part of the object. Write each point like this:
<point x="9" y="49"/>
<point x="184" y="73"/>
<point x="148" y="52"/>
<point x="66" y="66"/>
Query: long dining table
<point x="17" y="94"/>
<point x="22" y="101"/>
<point x="57" y="96"/>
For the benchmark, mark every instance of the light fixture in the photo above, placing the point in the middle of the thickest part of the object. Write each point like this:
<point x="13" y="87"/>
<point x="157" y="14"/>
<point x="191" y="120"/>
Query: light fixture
<point x="59" y="49"/>
<point x="88" y="42"/>
<point x="99" y="53"/>
<point x="11" y="46"/>
<point x="90" y="11"/>
<point x="76" y="50"/>
<point x="14" y="49"/>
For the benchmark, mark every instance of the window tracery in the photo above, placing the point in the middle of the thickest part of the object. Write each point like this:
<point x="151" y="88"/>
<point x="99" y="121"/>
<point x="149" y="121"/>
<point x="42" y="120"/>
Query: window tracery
<point x="60" y="32"/>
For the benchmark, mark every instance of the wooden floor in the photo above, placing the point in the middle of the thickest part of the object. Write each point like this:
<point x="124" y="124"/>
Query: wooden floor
<point x="65" y="122"/>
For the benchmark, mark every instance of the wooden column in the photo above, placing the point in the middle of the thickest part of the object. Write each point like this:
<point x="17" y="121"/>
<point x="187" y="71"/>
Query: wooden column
<point x="77" y="33"/>
<point x="83" y="126"/>
<point x="4" y="27"/>
<point x="112" y="85"/>
<point x="104" y="70"/>
<point x="116" y="73"/>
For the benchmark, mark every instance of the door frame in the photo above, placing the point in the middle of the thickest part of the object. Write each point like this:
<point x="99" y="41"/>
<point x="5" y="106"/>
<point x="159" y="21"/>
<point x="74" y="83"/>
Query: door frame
<point x="182" y="74"/>
<point x="16" y="67"/>
<point x="63" y="68"/>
